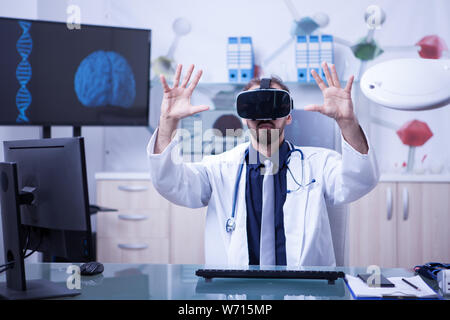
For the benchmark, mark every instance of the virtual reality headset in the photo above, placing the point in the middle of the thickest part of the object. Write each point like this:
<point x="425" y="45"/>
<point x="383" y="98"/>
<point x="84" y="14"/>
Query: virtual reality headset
<point x="264" y="103"/>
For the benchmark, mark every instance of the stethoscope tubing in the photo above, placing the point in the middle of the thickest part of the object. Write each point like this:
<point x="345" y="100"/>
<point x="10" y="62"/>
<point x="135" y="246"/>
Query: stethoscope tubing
<point x="230" y="223"/>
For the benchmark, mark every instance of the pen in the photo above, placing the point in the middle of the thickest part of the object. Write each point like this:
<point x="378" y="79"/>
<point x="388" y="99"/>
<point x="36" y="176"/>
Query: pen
<point x="404" y="280"/>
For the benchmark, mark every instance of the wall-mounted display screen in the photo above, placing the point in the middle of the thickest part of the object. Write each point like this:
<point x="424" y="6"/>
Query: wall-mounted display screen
<point x="54" y="75"/>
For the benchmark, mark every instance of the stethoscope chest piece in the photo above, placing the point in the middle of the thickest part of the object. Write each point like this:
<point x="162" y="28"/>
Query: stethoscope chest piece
<point x="231" y="225"/>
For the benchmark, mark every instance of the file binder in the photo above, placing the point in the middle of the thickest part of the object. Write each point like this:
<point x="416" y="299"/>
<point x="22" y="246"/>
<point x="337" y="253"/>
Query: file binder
<point x="233" y="59"/>
<point x="240" y="59"/>
<point x="310" y="52"/>
<point x="326" y="51"/>
<point x="246" y="59"/>
<point x="301" y="56"/>
<point x="313" y="56"/>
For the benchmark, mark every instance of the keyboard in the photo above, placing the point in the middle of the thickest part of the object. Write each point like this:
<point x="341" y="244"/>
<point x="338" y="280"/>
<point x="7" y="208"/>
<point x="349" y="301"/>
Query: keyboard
<point x="331" y="276"/>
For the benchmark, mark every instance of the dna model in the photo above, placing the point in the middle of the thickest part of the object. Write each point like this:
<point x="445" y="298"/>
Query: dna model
<point x="23" y="71"/>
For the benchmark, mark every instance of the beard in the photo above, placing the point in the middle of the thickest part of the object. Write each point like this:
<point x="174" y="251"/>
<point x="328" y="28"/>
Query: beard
<point x="266" y="134"/>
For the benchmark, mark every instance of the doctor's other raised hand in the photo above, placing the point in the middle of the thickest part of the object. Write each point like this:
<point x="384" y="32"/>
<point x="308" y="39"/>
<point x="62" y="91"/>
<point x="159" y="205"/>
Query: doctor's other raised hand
<point x="337" y="104"/>
<point x="176" y="105"/>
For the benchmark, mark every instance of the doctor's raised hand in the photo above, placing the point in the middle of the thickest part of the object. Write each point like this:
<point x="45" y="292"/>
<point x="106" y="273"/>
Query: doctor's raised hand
<point x="337" y="104"/>
<point x="176" y="105"/>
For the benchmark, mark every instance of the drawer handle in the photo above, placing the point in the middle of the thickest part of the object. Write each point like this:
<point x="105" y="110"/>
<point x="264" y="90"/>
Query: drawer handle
<point x="405" y="204"/>
<point x="132" y="246"/>
<point x="132" y="188"/>
<point x="132" y="217"/>
<point x="389" y="203"/>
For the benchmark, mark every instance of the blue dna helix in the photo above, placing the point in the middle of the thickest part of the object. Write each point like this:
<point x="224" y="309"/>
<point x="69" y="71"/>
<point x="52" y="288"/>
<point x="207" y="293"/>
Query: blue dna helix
<point x="23" y="71"/>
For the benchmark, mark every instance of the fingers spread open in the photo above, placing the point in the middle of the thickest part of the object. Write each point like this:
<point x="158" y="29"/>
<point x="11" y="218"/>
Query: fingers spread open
<point x="197" y="109"/>
<point x="348" y="87"/>
<point x="313" y="107"/>
<point x="327" y="74"/>
<point x="195" y="81"/>
<point x="319" y="80"/>
<point x="164" y="83"/>
<point x="176" y="79"/>
<point x="188" y="76"/>
<point x="334" y="76"/>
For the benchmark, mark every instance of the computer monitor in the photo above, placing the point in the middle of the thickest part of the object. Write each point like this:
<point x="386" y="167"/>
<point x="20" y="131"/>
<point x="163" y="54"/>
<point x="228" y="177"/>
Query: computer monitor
<point x="45" y="204"/>
<point x="54" y="75"/>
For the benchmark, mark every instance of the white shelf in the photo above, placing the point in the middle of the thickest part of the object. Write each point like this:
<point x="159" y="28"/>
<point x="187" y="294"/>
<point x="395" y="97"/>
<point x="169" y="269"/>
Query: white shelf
<point x="398" y="177"/>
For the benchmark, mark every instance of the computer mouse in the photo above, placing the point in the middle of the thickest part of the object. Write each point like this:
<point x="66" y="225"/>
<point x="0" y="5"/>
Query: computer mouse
<point x="91" y="268"/>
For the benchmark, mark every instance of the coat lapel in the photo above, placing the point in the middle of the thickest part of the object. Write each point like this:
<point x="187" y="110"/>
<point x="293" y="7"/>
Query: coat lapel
<point x="238" y="247"/>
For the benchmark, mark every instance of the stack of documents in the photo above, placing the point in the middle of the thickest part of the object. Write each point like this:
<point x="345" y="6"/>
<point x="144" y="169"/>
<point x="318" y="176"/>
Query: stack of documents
<point x="360" y="289"/>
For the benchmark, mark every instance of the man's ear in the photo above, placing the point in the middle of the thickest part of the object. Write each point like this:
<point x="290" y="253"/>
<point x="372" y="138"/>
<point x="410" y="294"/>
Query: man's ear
<point x="289" y="119"/>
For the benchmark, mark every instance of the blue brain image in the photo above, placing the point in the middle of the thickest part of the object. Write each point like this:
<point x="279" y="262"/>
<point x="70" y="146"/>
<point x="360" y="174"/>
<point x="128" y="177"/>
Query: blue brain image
<point x="105" y="78"/>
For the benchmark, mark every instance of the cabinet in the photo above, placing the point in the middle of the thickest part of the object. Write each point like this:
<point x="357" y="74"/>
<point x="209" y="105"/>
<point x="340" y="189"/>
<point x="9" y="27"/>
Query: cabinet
<point x="401" y="224"/>
<point x="187" y="230"/>
<point x="146" y="228"/>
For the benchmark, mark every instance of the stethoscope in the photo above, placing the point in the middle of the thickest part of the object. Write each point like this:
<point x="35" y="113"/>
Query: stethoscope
<point x="231" y="222"/>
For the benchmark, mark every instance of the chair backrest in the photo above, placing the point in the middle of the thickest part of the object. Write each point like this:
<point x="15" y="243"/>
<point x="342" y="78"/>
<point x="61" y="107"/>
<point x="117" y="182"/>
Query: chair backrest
<point x="338" y="217"/>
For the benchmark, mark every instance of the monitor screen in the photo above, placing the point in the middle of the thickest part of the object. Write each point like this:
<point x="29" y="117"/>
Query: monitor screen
<point x="54" y="75"/>
<point x="57" y="221"/>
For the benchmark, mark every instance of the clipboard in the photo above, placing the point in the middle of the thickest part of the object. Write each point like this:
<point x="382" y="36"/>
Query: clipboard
<point x="360" y="291"/>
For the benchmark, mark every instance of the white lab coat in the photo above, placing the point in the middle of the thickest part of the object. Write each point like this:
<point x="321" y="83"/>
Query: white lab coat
<point x="339" y="179"/>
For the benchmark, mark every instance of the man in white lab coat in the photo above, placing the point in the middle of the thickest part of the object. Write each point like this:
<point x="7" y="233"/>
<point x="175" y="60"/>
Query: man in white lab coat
<point x="291" y="226"/>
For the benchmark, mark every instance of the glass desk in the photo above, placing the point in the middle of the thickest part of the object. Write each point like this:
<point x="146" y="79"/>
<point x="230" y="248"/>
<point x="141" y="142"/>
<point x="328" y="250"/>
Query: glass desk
<point x="179" y="282"/>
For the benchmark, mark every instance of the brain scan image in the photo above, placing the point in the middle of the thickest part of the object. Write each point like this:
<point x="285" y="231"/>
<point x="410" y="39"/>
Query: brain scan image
<point x="104" y="78"/>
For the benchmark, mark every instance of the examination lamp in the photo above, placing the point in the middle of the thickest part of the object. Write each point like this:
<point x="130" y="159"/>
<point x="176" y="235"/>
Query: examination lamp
<point x="408" y="84"/>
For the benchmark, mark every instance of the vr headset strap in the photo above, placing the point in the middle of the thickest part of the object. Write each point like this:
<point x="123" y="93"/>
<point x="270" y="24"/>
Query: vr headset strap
<point x="265" y="83"/>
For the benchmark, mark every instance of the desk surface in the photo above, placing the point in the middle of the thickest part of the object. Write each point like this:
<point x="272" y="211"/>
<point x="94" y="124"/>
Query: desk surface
<point x="179" y="282"/>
